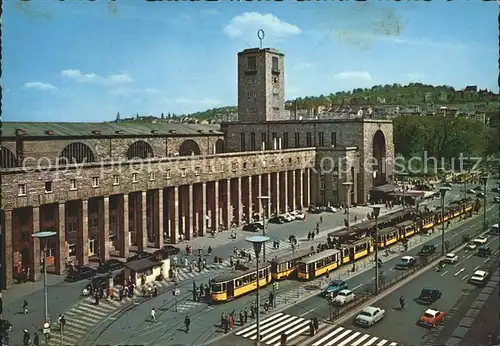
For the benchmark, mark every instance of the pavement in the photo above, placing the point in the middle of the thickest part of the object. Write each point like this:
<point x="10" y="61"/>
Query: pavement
<point x="84" y="319"/>
<point x="398" y="327"/>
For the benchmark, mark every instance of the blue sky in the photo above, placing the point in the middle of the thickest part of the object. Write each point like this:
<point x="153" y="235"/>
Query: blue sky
<point x="86" y="61"/>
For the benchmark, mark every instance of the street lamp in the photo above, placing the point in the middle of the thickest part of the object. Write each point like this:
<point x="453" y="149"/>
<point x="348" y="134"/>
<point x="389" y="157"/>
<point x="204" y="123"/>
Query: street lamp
<point x="264" y="223"/>
<point x="403" y="174"/>
<point x="485" y="180"/>
<point x="348" y="186"/>
<point x="443" y="191"/>
<point x="376" y="212"/>
<point x="257" y="242"/>
<point x="44" y="235"/>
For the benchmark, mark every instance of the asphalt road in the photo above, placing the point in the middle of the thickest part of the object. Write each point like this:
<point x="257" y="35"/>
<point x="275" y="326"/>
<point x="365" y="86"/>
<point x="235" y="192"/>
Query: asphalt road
<point x="316" y="306"/>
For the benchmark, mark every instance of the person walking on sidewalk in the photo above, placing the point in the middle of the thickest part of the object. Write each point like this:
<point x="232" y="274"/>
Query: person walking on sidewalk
<point x="187" y="323"/>
<point x="25" y="307"/>
<point x="153" y="315"/>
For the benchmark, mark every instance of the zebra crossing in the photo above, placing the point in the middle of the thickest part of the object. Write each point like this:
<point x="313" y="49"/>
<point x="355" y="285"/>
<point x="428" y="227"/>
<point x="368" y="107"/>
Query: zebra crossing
<point x="82" y="318"/>
<point x="297" y="331"/>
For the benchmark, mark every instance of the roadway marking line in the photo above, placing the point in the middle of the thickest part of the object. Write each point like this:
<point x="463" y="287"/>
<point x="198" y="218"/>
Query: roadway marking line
<point x="373" y="278"/>
<point x="305" y="313"/>
<point x="469" y="256"/>
<point x="457" y="273"/>
<point x="455" y="235"/>
<point x="355" y="288"/>
<point x="444" y="273"/>
<point x="157" y="327"/>
<point x="465" y="277"/>
<point x="456" y="265"/>
<point x="475" y="269"/>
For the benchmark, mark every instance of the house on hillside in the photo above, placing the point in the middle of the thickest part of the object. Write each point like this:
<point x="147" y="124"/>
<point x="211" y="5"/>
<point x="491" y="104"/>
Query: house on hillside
<point x="471" y="88"/>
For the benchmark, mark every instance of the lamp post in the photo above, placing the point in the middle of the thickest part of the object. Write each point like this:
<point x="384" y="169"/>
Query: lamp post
<point x="376" y="212"/>
<point x="443" y="191"/>
<point x="257" y="242"/>
<point x="403" y="175"/>
<point x="44" y="235"/>
<point x="264" y="223"/>
<point x="485" y="181"/>
<point x="348" y="186"/>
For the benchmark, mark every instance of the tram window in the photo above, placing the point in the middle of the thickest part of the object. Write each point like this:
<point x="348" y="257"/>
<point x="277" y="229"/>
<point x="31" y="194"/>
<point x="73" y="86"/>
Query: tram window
<point x="261" y="274"/>
<point x="302" y="267"/>
<point x="237" y="283"/>
<point x="217" y="288"/>
<point x="253" y="277"/>
<point x="245" y="280"/>
<point x="360" y="247"/>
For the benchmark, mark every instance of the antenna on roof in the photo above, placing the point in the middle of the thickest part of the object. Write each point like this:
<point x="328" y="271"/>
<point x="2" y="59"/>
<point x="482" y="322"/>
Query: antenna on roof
<point x="260" y="35"/>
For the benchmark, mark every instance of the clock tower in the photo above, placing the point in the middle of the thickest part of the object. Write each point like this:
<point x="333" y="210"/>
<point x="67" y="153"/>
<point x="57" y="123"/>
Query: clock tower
<point x="261" y="85"/>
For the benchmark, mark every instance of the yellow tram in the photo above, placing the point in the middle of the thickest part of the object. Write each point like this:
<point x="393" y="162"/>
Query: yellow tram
<point x="285" y="266"/>
<point x="353" y="250"/>
<point x="407" y="229"/>
<point x="387" y="236"/>
<point x="316" y="265"/>
<point x="232" y="285"/>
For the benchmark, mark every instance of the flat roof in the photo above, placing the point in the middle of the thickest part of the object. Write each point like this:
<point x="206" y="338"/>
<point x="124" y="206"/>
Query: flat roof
<point x="237" y="273"/>
<point x="142" y="264"/>
<point x="320" y="255"/>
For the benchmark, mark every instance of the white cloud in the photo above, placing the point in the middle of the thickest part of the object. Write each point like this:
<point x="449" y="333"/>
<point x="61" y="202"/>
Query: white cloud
<point x="204" y="101"/>
<point x="253" y="21"/>
<point x="81" y="77"/>
<point x="303" y="66"/>
<point x="211" y="11"/>
<point x="353" y="75"/>
<point x="40" y="86"/>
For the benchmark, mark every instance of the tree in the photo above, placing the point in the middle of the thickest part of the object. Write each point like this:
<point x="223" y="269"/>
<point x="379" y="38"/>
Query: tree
<point x="162" y="116"/>
<point x="117" y="116"/>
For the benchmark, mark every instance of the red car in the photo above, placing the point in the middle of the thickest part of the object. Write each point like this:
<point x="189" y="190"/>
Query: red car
<point x="431" y="318"/>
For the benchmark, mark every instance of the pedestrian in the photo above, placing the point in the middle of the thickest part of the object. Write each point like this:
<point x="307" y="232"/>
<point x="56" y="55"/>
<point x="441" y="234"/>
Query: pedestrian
<point x="209" y="250"/>
<point x="222" y="319"/>
<point x="246" y="315"/>
<point x="153" y="315"/>
<point x="271" y="299"/>
<point x="36" y="339"/>
<point x="283" y="339"/>
<point x="316" y="324"/>
<point x="187" y="322"/>
<point x="226" y="325"/>
<point x="241" y="318"/>
<point x="25" y="307"/>
<point x="266" y="306"/>
<point x="230" y="321"/>
<point x="327" y="274"/>
<point x="311" y="328"/>
<point x="321" y="219"/>
<point x="194" y="293"/>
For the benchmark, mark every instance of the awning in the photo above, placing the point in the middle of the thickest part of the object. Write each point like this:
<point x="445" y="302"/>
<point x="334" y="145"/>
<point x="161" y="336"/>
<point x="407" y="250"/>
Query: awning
<point x="386" y="188"/>
<point x="407" y="193"/>
<point x="142" y="265"/>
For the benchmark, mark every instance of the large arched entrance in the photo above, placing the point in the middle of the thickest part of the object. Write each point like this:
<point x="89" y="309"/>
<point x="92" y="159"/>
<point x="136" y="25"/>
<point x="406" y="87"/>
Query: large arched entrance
<point x="188" y="148"/>
<point x="379" y="158"/>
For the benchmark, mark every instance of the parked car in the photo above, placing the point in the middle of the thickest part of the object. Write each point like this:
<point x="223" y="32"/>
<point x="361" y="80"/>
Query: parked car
<point x="140" y="255"/>
<point x="171" y="250"/>
<point x="431" y="318"/>
<point x="451" y="258"/>
<point x="334" y="287"/>
<point x="314" y="209"/>
<point x="80" y="273"/>
<point x="480" y="240"/>
<point x="427" y="250"/>
<point x="288" y="217"/>
<point x="344" y="297"/>
<point x="480" y="195"/>
<point x="109" y="266"/>
<point x="479" y="277"/>
<point x="471" y="246"/>
<point x="298" y="215"/>
<point x="484" y="251"/>
<point x="96" y="282"/>
<point x="406" y="262"/>
<point x="369" y="316"/>
<point x="253" y="227"/>
<point x="496" y="199"/>
<point x="428" y="296"/>
<point x="277" y="219"/>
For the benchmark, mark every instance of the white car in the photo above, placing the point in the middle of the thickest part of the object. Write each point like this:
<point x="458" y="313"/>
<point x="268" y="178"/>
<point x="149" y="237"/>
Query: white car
<point x="479" y="277"/>
<point x="451" y="258"/>
<point x="369" y="316"/>
<point x="480" y="240"/>
<point x="298" y="215"/>
<point x="288" y="217"/>
<point x="344" y="297"/>
<point x="471" y="246"/>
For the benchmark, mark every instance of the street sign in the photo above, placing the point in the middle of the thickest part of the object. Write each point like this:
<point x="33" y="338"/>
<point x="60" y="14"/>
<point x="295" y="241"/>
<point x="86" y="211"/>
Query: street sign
<point x="46" y="328"/>
<point x="177" y="292"/>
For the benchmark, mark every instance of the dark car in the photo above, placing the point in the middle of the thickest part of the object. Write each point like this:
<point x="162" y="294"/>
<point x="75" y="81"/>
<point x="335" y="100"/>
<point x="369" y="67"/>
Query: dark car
<point x="484" y="251"/>
<point x="165" y="252"/>
<point x="109" y="266"/>
<point x="334" y="287"/>
<point x="428" y="250"/>
<point x="140" y="255"/>
<point x="6" y="326"/>
<point x="313" y="209"/>
<point x="80" y="274"/>
<point x="277" y="219"/>
<point x="253" y="227"/>
<point x="96" y="283"/>
<point x="428" y="296"/>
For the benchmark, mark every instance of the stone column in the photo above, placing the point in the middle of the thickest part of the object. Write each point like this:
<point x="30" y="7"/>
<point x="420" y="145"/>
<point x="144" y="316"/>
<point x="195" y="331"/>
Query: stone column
<point x="259" y="194"/>
<point x="278" y="197"/>
<point x="203" y="229"/>
<point x="301" y="189"/>
<point x="82" y="243"/>
<point x="293" y="190"/>
<point x="250" y="199"/>
<point x="308" y="187"/>
<point x="124" y="249"/>
<point x="35" y="266"/>
<point x="229" y="211"/>
<point x="285" y="190"/>
<point x="142" y="240"/>
<point x="174" y="231"/>
<point x="238" y="200"/>
<point x="61" y="240"/>
<point x="191" y="209"/>
<point x="215" y="212"/>
<point x="104" y="226"/>
<point x="159" y="231"/>
<point x="7" y="250"/>
<point x="269" y="205"/>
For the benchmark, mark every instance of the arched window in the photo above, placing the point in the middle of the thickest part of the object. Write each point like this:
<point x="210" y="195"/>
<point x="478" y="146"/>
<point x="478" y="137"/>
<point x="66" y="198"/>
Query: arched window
<point x="139" y="150"/>
<point x="219" y="146"/>
<point x="188" y="148"/>
<point x="7" y="159"/>
<point x="76" y="153"/>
